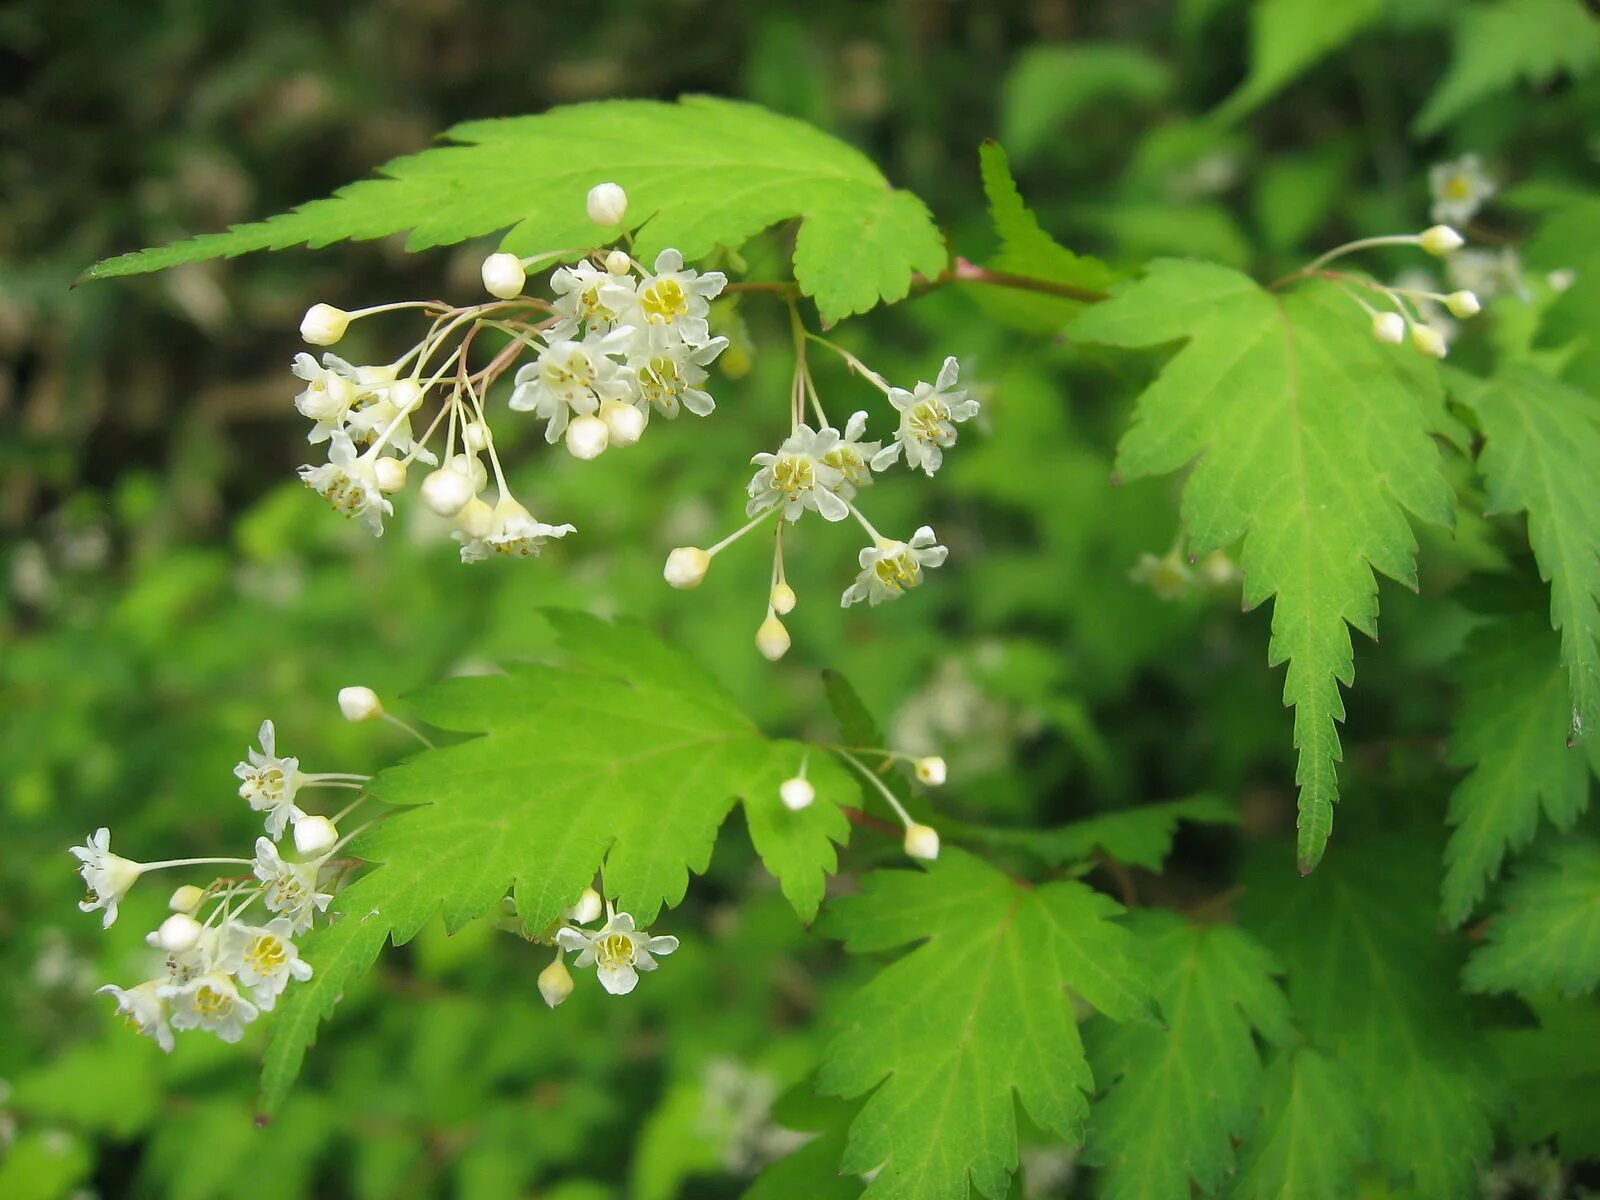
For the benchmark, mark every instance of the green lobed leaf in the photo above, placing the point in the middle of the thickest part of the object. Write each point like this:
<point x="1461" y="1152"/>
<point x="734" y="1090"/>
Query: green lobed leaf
<point x="1181" y="1095"/>
<point x="1565" y="241"/>
<point x="976" y="1016"/>
<point x="1500" y="43"/>
<point x="1313" y="1134"/>
<point x="627" y="756"/>
<point x="699" y="173"/>
<point x="1546" y="935"/>
<point x="1511" y="730"/>
<point x="1554" y="1071"/>
<point x="1309" y="440"/>
<point x="1372" y="983"/>
<point x="1288" y="36"/>
<point x="1137" y="837"/>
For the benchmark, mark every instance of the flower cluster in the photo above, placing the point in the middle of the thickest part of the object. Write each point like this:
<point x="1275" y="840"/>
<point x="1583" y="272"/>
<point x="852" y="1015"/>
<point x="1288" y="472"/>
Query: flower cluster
<point x="227" y="950"/>
<point x="617" y="950"/>
<point x="797" y="793"/>
<point x="615" y="344"/>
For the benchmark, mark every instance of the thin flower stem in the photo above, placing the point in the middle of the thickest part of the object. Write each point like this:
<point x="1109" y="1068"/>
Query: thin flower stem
<point x="856" y="365"/>
<point x="741" y="531"/>
<point x="1393" y="239"/>
<point x="865" y="524"/>
<point x="349" y="808"/>
<point x="335" y="783"/>
<point x="398" y="304"/>
<point x="416" y="733"/>
<point x="197" y="862"/>
<point x="871" y="777"/>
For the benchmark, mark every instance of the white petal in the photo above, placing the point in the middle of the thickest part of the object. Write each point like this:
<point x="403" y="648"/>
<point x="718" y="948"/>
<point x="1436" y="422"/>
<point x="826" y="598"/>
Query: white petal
<point x="947" y="375"/>
<point x="619" y="980"/>
<point x="830" y="506"/>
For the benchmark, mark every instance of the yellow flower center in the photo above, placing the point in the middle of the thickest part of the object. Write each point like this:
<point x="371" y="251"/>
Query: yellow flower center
<point x="615" y="950"/>
<point x="898" y="571"/>
<point x="848" y="461"/>
<point x="266" y="955"/>
<point x="664" y="300"/>
<point x="928" y="417"/>
<point x="1458" y="187"/>
<point x="793" y="474"/>
<point x="212" y="1004"/>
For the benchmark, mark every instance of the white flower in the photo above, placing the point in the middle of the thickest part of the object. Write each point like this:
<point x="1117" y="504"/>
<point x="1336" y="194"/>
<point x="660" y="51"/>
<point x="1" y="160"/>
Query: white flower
<point x="669" y="377"/>
<point x="579" y="302"/>
<point x="798" y="477"/>
<point x="382" y="421"/>
<point x="264" y="959"/>
<point x="291" y="888"/>
<point x="185" y="964"/>
<point x="269" y="783"/>
<point x="571" y="377"/>
<point x="670" y="305"/>
<point x="928" y="419"/>
<point x="350" y="484"/>
<point x="617" y="951"/>
<point x="1459" y="189"/>
<point x="890" y="567"/>
<point x="512" y="531"/>
<point x="108" y="876"/>
<point x="852" y="457"/>
<point x="210" y="1002"/>
<point x="331" y="390"/>
<point x="143" y="1010"/>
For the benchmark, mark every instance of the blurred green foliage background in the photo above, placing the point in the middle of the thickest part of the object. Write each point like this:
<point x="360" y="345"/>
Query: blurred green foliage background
<point x="167" y="584"/>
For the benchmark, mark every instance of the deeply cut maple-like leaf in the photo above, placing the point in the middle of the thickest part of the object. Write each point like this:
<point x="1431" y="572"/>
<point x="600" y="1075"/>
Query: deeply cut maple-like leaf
<point x="976" y="1016"/>
<point x="1546" y="937"/>
<point x="1310" y="441"/>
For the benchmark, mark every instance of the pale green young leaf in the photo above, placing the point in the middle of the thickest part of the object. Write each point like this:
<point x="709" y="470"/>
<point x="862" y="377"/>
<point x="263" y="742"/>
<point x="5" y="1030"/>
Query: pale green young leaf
<point x="1541" y="455"/>
<point x="1181" y="1095"/>
<point x="1374" y="984"/>
<point x="976" y="1016"/>
<point x="1054" y="82"/>
<point x="699" y="173"/>
<point x="1546" y="935"/>
<point x="1288" y="36"/>
<point x="1311" y="442"/>
<point x="1136" y="837"/>
<point x="1313" y="1134"/>
<point x="1500" y="43"/>
<point x="1554" y="1072"/>
<point x="628" y="755"/>
<point x="1511" y="730"/>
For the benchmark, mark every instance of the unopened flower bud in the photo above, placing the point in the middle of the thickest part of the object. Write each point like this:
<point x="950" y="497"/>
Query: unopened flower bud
<point x="607" y="204"/>
<point x="178" y="934"/>
<point x="446" y="491"/>
<point x="587" y="437"/>
<point x="555" y="983"/>
<point x="783" y="599"/>
<point x="922" y="841"/>
<point x="686" y="567"/>
<point x="618" y="262"/>
<point x="1429" y="341"/>
<point x="1463" y="304"/>
<point x="796" y="793"/>
<point x="471" y="469"/>
<point x="503" y="275"/>
<point x="359" y="704"/>
<point x="405" y="395"/>
<point x="1439" y="240"/>
<point x="1561" y="280"/>
<point x="476" y="518"/>
<point x="587" y="909"/>
<point x="1389" y="328"/>
<point x="186" y="899"/>
<point x="315" y="835"/>
<point x="772" y="639"/>
<point x="624" y="421"/>
<point x="474" y="436"/>
<point x="323" y="325"/>
<point x="391" y="475"/>
<point x="930" y="770"/>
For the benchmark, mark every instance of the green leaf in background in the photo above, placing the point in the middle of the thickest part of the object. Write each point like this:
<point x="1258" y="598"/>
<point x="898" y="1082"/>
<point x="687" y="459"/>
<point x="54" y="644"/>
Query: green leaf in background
<point x="1136" y="837"/>
<point x="1180" y="1096"/>
<point x="1501" y="43"/>
<point x="1511" y="729"/>
<point x="1313" y="1134"/>
<point x="1546" y="935"/>
<point x="699" y="173"/>
<point x="1288" y="36"/>
<point x="1049" y="85"/>
<point x="1565" y="241"/>
<point x="629" y="756"/>
<point x="1541" y="455"/>
<point x="1311" y="441"/>
<point x="1372" y="983"/>
<point x="1554" y="1070"/>
<point x="976" y="1016"/>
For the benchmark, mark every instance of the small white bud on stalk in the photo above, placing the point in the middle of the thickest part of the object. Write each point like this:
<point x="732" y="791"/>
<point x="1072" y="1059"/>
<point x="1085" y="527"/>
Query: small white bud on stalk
<point x="930" y="770"/>
<point x="474" y="436"/>
<point x="624" y="421"/>
<point x="446" y="491"/>
<point x="607" y="204"/>
<point x="922" y="841"/>
<point x="323" y="325"/>
<point x="186" y="899"/>
<point x="772" y="639"/>
<point x="503" y="275"/>
<point x="315" y="835"/>
<point x="471" y="468"/>
<point x="555" y="983"/>
<point x="391" y="474"/>
<point x="476" y="518"/>
<point x="783" y="599"/>
<point x="1463" y="304"/>
<point x="796" y="793"/>
<point x="686" y="567"/>
<point x="1429" y="341"/>
<point x="405" y="395"/>
<point x="359" y="704"/>
<point x="587" y="909"/>
<point x="1389" y="328"/>
<point x="1440" y="240"/>
<point x="178" y="934"/>
<point x="587" y="437"/>
<point x="618" y="262"/>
